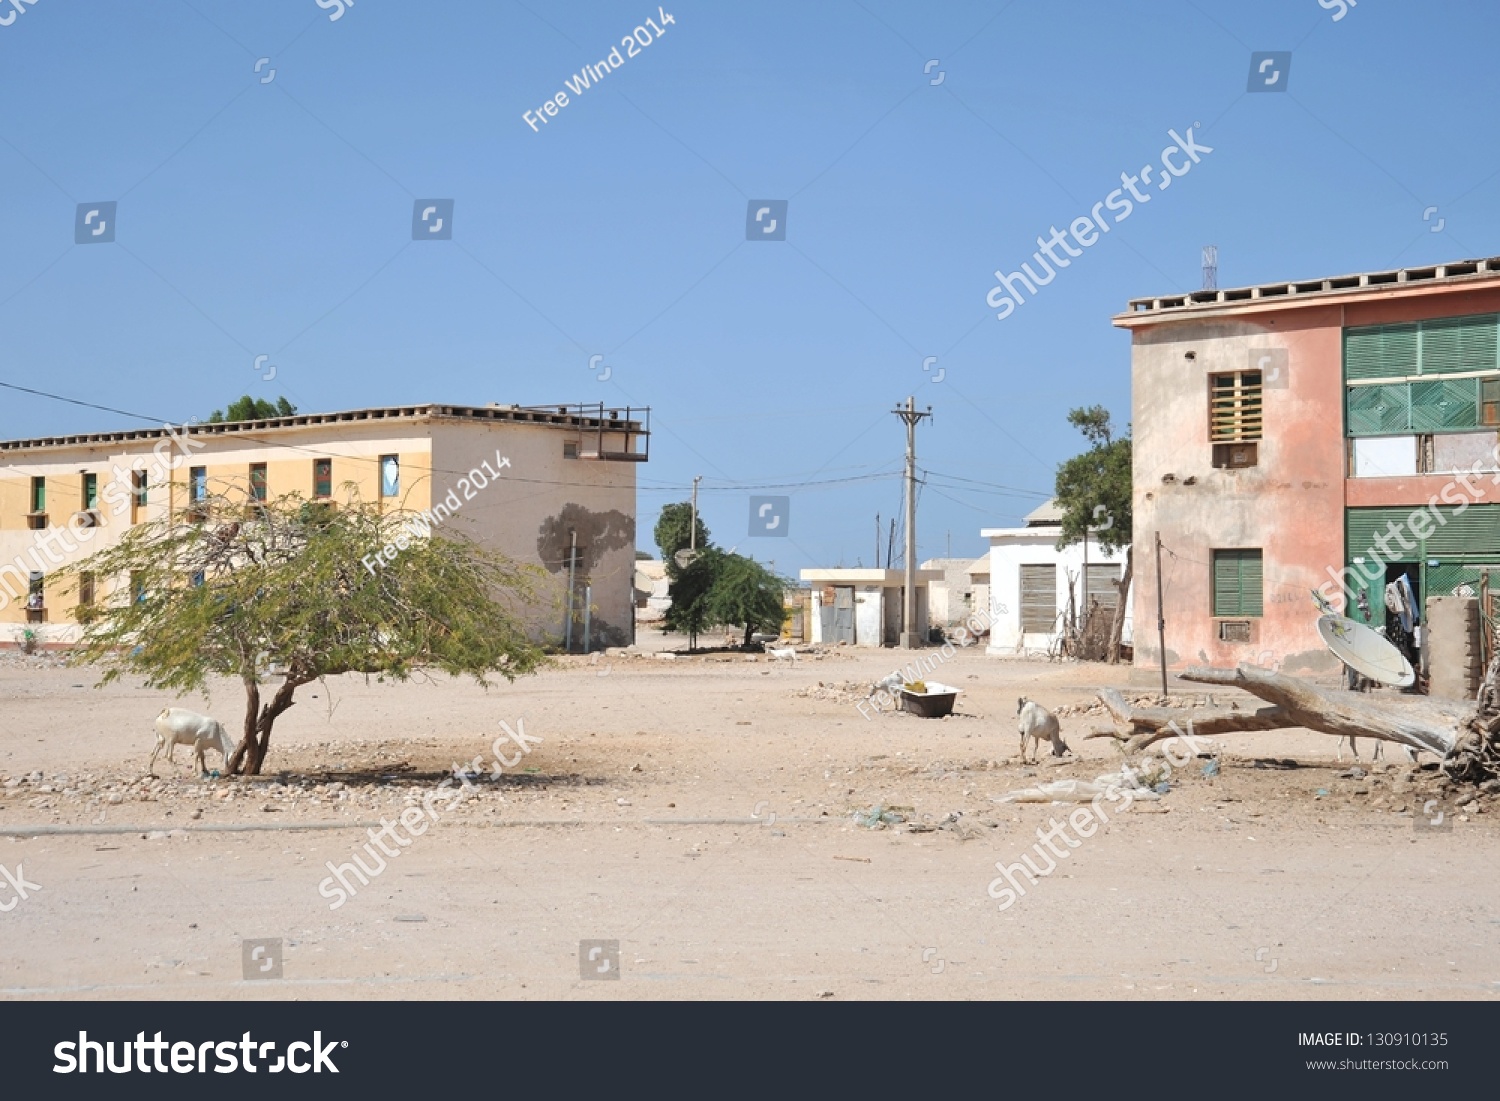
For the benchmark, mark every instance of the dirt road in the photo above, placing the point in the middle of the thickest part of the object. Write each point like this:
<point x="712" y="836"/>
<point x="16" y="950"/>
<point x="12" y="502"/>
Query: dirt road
<point x="701" y="814"/>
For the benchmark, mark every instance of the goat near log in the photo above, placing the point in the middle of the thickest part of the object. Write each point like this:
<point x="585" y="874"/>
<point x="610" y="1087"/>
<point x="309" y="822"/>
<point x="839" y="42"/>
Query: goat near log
<point x="178" y="726"/>
<point x="1037" y="723"/>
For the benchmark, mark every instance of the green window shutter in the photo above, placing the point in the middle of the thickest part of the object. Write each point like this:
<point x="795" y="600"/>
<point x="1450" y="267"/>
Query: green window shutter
<point x="1238" y="582"/>
<point x="1380" y="351"/>
<point x="1362" y="525"/>
<point x="1454" y="344"/>
<point x="1444" y="404"/>
<point x="1475" y="531"/>
<point x="1379" y="410"/>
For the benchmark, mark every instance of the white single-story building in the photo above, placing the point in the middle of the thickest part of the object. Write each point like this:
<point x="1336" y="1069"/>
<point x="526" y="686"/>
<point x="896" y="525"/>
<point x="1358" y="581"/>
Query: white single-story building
<point x="862" y="607"/>
<point x="1034" y="586"/>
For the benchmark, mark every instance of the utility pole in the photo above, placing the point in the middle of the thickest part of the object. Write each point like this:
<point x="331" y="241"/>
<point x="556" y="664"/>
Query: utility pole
<point x="877" y="540"/>
<point x="1085" y="572"/>
<point x="693" y="529"/>
<point x="1161" y="622"/>
<point x="910" y="638"/>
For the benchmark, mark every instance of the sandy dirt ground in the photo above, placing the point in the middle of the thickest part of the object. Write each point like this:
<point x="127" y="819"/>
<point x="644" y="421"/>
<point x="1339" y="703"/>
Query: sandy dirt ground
<point x="701" y="813"/>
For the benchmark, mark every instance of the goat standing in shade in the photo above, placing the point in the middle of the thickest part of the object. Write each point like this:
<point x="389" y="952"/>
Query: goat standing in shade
<point x="178" y="726"/>
<point x="1037" y="723"/>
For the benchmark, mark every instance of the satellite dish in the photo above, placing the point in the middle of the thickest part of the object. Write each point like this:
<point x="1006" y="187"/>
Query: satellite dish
<point x="1364" y="650"/>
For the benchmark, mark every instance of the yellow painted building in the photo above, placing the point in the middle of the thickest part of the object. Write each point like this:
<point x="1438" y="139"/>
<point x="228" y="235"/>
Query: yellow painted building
<point x="551" y="486"/>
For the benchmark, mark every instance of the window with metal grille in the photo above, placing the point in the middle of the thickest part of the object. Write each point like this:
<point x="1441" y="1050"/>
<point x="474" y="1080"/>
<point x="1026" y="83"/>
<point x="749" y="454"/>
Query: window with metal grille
<point x="1234" y="406"/>
<point x="38" y="494"/>
<point x="197" y="483"/>
<point x="258" y="481"/>
<point x="322" y="477"/>
<point x="390" y="476"/>
<point x="85" y="588"/>
<point x="1039" y="598"/>
<point x="90" y="491"/>
<point x="1237" y="582"/>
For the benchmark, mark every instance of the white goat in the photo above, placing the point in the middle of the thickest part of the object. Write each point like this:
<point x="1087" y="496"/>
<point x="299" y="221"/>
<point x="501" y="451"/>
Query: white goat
<point x="888" y="685"/>
<point x="785" y="654"/>
<point x="178" y="726"/>
<point x="1037" y="723"/>
<point x="1411" y="754"/>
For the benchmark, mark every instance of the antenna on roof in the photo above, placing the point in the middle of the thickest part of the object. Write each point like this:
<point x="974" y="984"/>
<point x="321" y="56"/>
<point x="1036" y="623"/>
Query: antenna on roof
<point x="1210" y="267"/>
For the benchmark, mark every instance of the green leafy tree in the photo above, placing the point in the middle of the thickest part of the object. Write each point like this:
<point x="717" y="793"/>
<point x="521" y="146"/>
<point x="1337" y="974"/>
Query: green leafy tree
<point x="1094" y="491"/>
<point x="247" y="408"/>
<point x="301" y="585"/>
<point x="745" y="593"/>
<point x="674" y="530"/>
<point x="689" y="612"/>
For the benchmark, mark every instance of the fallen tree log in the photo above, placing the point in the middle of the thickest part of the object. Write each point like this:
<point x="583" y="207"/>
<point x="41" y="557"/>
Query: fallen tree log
<point x="1145" y="725"/>
<point x="1434" y="725"/>
<point x="1421" y="722"/>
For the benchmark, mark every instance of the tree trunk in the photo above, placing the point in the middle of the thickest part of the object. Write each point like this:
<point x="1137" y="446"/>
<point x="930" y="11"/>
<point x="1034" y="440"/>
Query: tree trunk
<point x="247" y="738"/>
<point x="250" y="755"/>
<point x="1122" y="585"/>
<point x="749" y="630"/>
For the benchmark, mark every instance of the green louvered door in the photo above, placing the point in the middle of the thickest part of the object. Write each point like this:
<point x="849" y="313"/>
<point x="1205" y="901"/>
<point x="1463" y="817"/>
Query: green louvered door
<point x="1449" y="558"/>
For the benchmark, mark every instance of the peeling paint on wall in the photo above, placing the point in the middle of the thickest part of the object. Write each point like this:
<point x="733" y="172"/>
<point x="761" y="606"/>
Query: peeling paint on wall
<point x="598" y="533"/>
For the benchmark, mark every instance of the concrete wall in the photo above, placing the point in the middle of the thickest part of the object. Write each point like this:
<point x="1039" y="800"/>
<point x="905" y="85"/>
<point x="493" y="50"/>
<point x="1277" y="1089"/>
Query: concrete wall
<point x="1010" y="548"/>
<point x="528" y="513"/>
<point x="226" y="459"/>
<point x="1290" y="505"/>
<point x="951" y="595"/>
<point x="1451" y="646"/>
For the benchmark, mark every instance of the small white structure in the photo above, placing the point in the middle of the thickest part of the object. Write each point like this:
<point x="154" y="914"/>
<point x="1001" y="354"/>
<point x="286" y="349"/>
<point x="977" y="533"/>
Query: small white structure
<point x="953" y="597"/>
<point x="863" y="607"/>
<point x="1031" y="582"/>
<point x="651" y="585"/>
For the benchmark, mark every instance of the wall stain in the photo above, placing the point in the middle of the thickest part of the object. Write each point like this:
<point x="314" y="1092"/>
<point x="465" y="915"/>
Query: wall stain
<point x="598" y="534"/>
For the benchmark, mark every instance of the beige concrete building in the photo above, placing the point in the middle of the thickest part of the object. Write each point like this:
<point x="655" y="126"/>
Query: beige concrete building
<point x="551" y="486"/>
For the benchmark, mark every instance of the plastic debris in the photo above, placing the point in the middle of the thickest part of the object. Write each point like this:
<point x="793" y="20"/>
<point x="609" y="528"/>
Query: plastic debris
<point x="1076" y="791"/>
<point x="1211" y="769"/>
<point x="877" y="817"/>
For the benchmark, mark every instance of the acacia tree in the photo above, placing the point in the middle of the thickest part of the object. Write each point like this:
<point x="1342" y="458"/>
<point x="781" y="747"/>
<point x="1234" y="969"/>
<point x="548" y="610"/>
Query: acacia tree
<point x="745" y="593"/>
<point x="689" y="611"/>
<point x="234" y="585"/>
<point x="1094" y="491"/>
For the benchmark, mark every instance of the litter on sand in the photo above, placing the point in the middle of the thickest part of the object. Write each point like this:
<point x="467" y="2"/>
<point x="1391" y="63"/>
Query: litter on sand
<point x="1075" y="791"/>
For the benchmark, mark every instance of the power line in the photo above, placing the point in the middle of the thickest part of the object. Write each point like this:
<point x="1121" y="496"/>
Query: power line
<point x="994" y="485"/>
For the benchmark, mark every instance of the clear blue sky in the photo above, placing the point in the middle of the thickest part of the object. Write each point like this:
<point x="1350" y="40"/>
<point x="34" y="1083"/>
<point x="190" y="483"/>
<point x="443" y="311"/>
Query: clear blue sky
<point x="275" y="218"/>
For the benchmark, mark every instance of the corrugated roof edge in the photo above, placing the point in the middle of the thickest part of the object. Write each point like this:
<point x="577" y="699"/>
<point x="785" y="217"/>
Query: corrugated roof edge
<point x="524" y="415"/>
